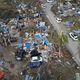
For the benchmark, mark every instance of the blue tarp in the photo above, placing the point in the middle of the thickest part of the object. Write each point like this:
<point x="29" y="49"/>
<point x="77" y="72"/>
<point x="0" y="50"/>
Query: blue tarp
<point x="46" y="42"/>
<point x="43" y="39"/>
<point x="38" y="37"/>
<point x="28" y="45"/>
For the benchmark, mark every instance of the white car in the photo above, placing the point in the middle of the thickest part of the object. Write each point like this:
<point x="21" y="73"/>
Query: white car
<point x="49" y="1"/>
<point x="58" y="20"/>
<point x="36" y="59"/>
<point x="73" y="36"/>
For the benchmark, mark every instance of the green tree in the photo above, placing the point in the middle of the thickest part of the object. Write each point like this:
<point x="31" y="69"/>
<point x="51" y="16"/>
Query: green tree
<point x="63" y="39"/>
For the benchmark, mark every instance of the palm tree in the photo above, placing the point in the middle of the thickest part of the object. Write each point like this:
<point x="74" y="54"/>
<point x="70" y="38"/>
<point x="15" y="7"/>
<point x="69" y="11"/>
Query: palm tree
<point x="60" y="40"/>
<point x="63" y="40"/>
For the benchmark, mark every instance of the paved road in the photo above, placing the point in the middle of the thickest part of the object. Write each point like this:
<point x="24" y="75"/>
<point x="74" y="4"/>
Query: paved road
<point x="72" y="45"/>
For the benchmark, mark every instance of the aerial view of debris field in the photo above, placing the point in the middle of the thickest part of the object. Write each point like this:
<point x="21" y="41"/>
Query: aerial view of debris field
<point x="39" y="40"/>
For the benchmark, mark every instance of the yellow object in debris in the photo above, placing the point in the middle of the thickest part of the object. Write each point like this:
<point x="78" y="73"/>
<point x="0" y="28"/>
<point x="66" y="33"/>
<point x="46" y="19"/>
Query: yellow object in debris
<point x="45" y="47"/>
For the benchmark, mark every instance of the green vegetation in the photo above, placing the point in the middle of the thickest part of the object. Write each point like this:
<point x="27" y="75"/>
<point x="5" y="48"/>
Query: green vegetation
<point x="63" y="39"/>
<point x="75" y="26"/>
<point x="71" y="18"/>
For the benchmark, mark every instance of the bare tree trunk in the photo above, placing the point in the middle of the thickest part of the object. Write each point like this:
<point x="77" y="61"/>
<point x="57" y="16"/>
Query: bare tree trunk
<point x="60" y="53"/>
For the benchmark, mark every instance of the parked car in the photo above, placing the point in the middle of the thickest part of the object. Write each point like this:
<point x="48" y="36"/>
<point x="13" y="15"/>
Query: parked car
<point x="49" y="1"/>
<point x="36" y="62"/>
<point x="20" y="54"/>
<point x="37" y="59"/>
<point x="58" y="20"/>
<point x="73" y="36"/>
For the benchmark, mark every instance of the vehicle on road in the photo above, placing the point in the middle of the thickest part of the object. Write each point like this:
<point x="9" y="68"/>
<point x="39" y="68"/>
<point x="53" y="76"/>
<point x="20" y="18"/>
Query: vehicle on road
<point x="73" y="36"/>
<point x="49" y="1"/>
<point x="58" y="20"/>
